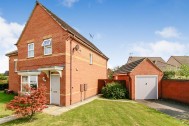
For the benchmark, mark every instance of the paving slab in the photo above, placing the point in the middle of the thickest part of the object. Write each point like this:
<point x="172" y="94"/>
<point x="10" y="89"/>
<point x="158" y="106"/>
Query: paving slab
<point x="57" y="110"/>
<point x="8" y="118"/>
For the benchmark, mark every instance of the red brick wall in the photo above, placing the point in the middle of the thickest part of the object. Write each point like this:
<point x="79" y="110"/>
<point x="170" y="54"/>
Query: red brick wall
<point x="83" y="72"/>
<point x="14" y="79"/>
<point x="176" y="90"/>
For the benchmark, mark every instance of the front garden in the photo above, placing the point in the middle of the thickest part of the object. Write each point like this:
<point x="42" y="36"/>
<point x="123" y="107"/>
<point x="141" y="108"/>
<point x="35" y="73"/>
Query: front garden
<point x="5" y="98"/>
<point x="103" y="112"/>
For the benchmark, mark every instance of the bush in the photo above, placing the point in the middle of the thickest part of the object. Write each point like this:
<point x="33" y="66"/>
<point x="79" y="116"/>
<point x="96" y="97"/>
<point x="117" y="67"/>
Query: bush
<point x="3" y="87"/>
<point x="169" y="75"/>
<point x="2" y="77"/>
<point x="27" y="104"/>
<point x="184" y="70"/>
<point x="114" y="90"/>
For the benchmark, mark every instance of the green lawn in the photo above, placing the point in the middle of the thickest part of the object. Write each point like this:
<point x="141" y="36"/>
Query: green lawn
<point x="4" y="98"/>
<point x="106" y="113"/>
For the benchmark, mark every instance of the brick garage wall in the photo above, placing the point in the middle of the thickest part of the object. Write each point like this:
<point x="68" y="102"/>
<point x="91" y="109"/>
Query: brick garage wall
<point x="177" y="90"/>
<point x="145" y="68"/>
<point x="14" y="79"/>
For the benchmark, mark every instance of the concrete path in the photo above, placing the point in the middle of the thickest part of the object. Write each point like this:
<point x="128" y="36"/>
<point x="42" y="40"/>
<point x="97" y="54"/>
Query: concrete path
<point x="57" y="110"/>
<point x="7" y="119"/>
<point x="177" y="110"/>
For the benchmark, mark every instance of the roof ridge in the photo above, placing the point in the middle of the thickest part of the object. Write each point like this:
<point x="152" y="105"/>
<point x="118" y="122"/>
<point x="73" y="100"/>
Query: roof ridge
<point x="63" y="24"/>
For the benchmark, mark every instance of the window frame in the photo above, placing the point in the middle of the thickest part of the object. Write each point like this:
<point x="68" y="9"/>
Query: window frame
<point x="28" y="81"/>
<point x="15" y="65"/>
<point x="47" y="46"/>
<point x="29" y="50"/>
<point x="91" y="58"/>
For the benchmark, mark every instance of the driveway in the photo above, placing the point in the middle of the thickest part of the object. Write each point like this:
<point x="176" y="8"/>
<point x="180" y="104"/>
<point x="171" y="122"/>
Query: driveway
<point x="177" y="110"/>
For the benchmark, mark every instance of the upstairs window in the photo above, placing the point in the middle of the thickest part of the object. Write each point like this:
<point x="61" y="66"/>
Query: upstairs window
<point x="30" y="50"/>
<point x="47" y="44"/>
<point x="91" y="59"/>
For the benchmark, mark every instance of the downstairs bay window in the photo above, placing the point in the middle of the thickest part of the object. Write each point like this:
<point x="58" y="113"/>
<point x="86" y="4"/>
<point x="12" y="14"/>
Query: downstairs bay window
<point x="28" y="81"/>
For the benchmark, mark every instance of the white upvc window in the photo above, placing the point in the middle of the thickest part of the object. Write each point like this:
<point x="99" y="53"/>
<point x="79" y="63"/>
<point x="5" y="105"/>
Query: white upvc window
<point x="47" y="44"/>
<point x="30" y="50"/>
<point x="91" y="58"/>
<point x="28" y="81"/>
<point x="15" y="65"/>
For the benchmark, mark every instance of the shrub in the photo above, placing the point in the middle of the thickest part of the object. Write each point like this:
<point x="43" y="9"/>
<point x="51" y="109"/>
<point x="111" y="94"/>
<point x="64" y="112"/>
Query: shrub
<point x="3" y="86"/>
<point x="169" y="74"/>
<point x="184" y="70"/>
<point x="2" y="77"/>
<point x="27" y="104"/>
<point x="114" y="90"/>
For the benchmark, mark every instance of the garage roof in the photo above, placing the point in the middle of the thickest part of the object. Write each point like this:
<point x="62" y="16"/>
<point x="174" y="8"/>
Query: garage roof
<point x="128" y="67"/>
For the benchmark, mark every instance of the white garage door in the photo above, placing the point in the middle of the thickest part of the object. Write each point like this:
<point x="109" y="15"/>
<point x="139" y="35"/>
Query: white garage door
<point x="146" y="87"/>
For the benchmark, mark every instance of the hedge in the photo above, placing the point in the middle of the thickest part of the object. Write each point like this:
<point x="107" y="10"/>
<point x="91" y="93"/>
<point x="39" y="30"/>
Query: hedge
<point x="3" y="87"/>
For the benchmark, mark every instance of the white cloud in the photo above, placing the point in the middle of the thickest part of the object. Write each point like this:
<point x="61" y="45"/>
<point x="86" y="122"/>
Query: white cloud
<point x="9" y="33"/>
<point x="169" y="32"/>
<point x="161" y="48"/>
<point x="69" y="3"/>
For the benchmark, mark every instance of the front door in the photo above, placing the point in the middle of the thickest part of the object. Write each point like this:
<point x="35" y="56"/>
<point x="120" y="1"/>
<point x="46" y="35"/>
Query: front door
<point x="55" y="89"/>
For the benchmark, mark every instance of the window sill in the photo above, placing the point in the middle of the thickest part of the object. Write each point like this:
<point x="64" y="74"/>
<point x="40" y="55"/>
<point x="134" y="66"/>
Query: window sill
<point x="47" y="54"/>
<point x="30" y="57"/>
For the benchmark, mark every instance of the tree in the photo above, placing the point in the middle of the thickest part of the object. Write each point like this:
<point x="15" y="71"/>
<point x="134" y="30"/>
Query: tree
<point x="112" y="71"/>
<point x="27" y="104"/>
<point x="184" y="70"/>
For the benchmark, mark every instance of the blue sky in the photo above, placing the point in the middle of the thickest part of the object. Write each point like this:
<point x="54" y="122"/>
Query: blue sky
<point x="120" y="28"/>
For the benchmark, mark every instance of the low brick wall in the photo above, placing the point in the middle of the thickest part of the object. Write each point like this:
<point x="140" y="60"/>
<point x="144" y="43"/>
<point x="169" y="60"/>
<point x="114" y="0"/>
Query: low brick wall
<point x="103" y="82"/>
<point x="177" y="90"/>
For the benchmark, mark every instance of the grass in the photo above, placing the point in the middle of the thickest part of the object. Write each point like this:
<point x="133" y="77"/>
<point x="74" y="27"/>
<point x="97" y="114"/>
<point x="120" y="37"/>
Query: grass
<point x="103" y="112"/>
<point x="4" y="98"/>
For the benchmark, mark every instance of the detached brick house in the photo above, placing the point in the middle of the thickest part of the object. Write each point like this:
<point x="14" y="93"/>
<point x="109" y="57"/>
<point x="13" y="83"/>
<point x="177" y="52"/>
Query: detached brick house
<point x="51" y="52"/>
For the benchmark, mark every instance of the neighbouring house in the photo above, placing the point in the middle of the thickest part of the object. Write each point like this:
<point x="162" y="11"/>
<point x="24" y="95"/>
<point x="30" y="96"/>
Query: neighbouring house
<point x="6" y="73"/>
<point x="143" y="79"/>
<point x="51" y="52"/>
<point x="158" y="61"/>
<point x="178" y="60"/>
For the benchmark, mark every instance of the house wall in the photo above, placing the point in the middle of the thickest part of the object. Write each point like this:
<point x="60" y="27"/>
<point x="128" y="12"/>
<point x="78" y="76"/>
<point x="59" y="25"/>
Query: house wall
<point x="172" y="61"/>
<point x="14" y="79"/>
<point x="176" y="90"/>
<point x="145" y="68"/>
<point x="83" y="72"/>
<point x="41" y="26"/>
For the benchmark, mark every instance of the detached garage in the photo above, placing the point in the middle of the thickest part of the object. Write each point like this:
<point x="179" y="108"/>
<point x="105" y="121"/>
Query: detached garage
<point x="143" y="79"/>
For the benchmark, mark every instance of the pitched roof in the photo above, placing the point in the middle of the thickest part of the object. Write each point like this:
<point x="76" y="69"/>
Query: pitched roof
<point x="158" y="61"/>
<point x="152" y="59"/>
<point x="68" y="28"/>
<point x="182" y="59"/>
<point x="163" y="66"/>
<point x="128" y="67"/>
<point x="13" y="53"/>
